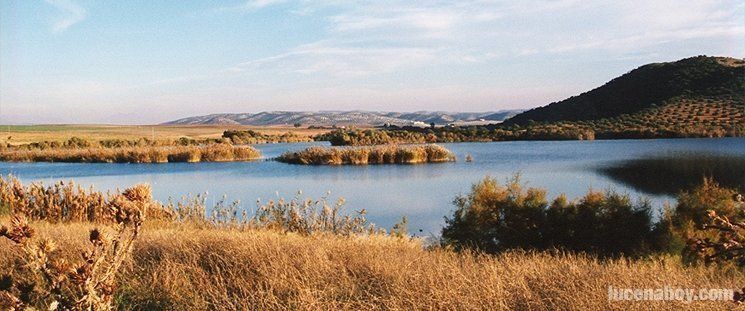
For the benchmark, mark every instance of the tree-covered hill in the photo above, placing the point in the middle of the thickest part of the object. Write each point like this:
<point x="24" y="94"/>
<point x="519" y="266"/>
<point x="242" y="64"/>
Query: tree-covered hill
<point x="688" y="83"/>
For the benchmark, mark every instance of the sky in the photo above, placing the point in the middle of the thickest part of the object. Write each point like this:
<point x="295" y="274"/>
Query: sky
<point x="144" y="62"/>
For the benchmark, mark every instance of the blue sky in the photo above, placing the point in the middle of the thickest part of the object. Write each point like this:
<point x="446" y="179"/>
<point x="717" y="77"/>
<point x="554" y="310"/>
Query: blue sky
<point x="86" y="61"/>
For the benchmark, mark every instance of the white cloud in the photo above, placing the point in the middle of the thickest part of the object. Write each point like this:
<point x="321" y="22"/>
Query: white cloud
<point x="392" y="44"/>
<point x="250" y="6"/>
<point x="262" y="3"/>
<point x="338" y="61"/>
<point x="382" y="36"/>
<point x="72" y="13"/>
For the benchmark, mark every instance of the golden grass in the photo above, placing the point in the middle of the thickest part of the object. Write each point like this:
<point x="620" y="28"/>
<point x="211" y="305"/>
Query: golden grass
<point x="192" y="269"/>
<point x="383" y="154"/>
<point x="144" y="154"/>
<point x="23" y="134"/>
<point x="298" y="256"/>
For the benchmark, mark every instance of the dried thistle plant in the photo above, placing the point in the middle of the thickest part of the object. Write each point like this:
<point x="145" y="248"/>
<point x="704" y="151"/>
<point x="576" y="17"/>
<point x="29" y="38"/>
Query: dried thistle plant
<point x="55" y="284"/>
<point x="68" y="202"/>
<point x="727" y="246"/>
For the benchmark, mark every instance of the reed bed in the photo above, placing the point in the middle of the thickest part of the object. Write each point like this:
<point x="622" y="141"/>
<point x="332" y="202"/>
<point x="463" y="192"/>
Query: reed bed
<point x="64" y="202"/>
<point x="141" y="154"/>
<point x="386" y="154"/>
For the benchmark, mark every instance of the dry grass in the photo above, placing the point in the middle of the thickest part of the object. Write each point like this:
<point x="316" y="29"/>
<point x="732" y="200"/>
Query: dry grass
<point x="23" y="134"/>
<point x="291" y="256"/>
<point x="144" y="154"/>
<point x="189" y="269"/>
<point x="385" y="154"/>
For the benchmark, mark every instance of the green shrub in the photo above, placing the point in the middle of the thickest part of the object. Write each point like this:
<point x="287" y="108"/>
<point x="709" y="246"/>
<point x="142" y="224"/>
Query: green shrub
<point x="495" y="218"/>
<point x="693" y="212"/>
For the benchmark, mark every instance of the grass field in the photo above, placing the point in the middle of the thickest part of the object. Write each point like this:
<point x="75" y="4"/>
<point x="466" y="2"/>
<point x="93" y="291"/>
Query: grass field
<point x="22" y="134"/>
<point x="178" y="268"/>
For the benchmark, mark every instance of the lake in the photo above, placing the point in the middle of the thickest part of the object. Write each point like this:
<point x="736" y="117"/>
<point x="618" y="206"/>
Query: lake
<point x="423" y="193"/>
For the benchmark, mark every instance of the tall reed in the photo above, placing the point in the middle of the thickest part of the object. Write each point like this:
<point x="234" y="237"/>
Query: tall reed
<point x="68" y="202"/>
<point x="144" y="154"/>
<point x="385" y="154"/>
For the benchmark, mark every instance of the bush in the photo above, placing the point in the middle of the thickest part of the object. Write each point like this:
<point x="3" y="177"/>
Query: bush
<point x="697" y="210"/>
<point x="495" y="218"/>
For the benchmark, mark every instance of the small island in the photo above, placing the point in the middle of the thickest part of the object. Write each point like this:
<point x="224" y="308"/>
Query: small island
<point x="382" y="154"/>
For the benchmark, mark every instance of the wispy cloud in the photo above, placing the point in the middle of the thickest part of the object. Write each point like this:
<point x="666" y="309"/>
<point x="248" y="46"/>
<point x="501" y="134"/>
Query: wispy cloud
<point x="72" y="13"/>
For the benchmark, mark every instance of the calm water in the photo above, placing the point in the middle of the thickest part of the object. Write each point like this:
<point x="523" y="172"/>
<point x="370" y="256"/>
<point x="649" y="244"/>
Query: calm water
<point x="423" y="193"/>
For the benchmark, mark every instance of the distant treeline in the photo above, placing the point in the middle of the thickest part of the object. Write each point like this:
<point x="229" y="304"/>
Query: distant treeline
<point x="680" y="117"/>
<point x="584" y="130"/>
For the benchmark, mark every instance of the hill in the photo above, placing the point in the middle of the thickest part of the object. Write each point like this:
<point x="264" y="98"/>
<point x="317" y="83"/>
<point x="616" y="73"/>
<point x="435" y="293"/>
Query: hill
<point x="690" y="91"/>
<point x="329" y="118"/>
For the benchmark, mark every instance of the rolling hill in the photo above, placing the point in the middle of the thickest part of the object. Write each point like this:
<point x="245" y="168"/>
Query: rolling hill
<point x="696" y="91"/>
<point x="329" y="118"/>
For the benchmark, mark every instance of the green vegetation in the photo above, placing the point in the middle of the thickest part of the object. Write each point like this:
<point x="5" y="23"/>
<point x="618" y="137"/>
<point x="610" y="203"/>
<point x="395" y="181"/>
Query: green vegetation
<point x="388" y="154"/>
<point x="253" y="137"/>
<point x="698" y="208"/>
<point x="495" y="218"/>
<point x="411" y="135"/>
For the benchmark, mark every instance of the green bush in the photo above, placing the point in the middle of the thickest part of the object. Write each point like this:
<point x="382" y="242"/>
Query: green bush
<point x="495" y="218"/>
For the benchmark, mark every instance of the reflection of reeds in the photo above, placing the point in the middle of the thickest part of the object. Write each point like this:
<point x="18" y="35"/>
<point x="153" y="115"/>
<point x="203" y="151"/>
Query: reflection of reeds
<point x="385" y="154"/>
<point x="672" y="174"/>
<point x="143" y="154"/>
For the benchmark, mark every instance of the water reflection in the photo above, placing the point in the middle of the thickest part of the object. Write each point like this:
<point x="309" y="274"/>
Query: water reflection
<point x="673" y="173"/>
